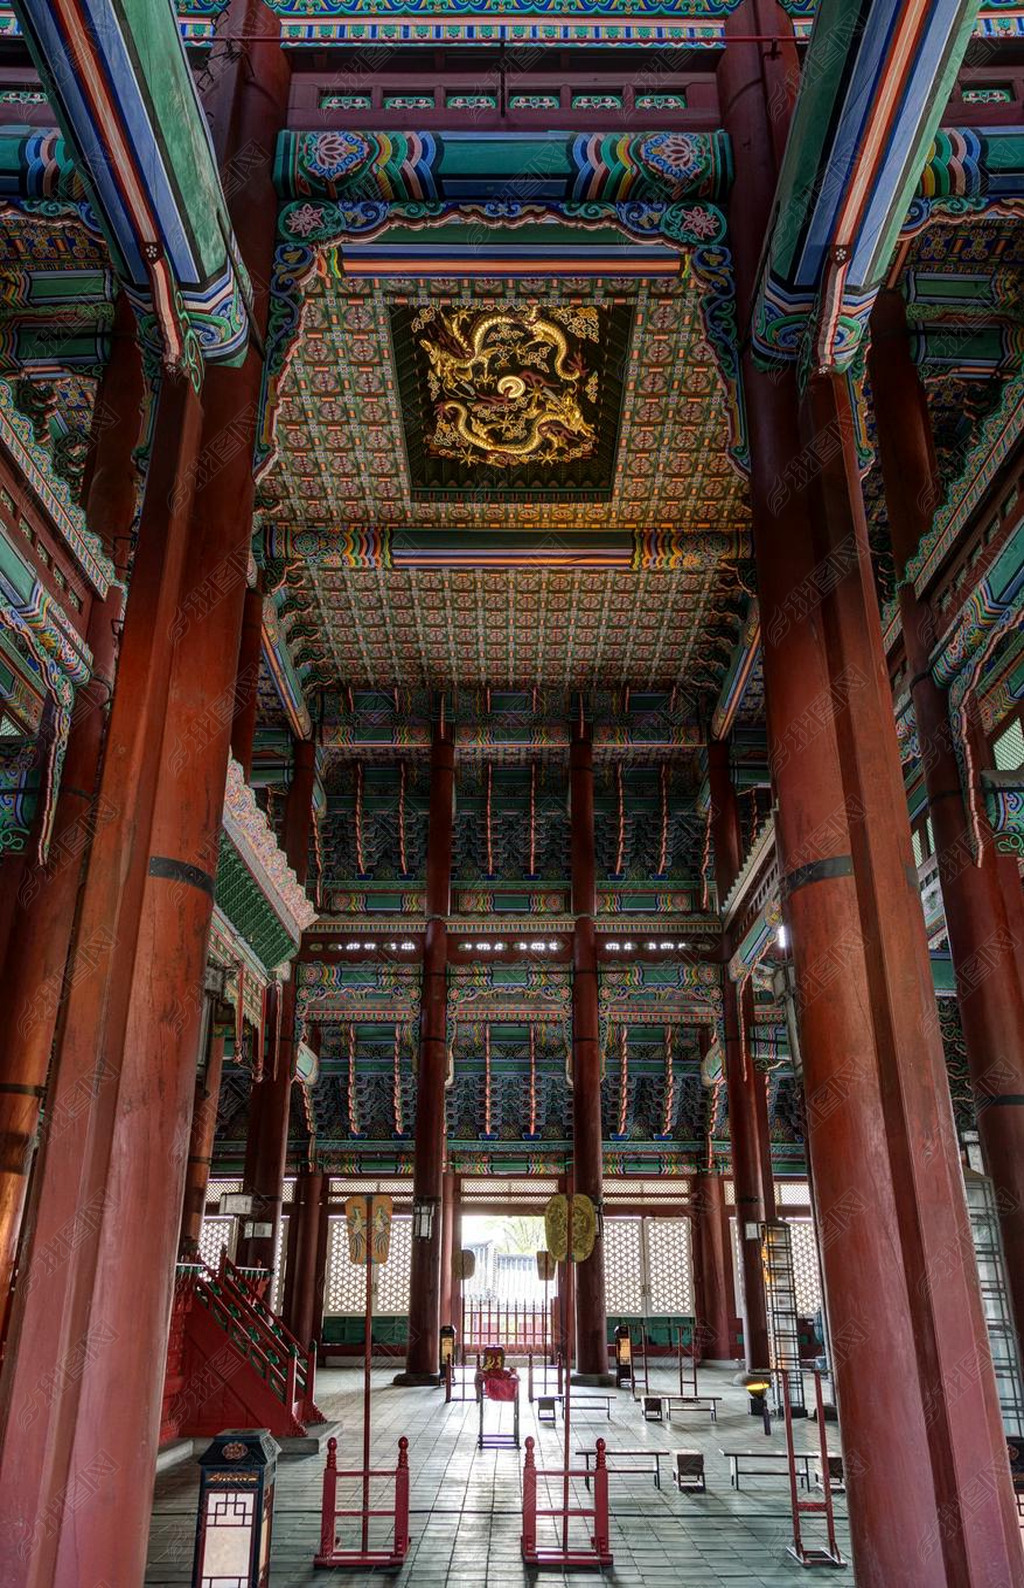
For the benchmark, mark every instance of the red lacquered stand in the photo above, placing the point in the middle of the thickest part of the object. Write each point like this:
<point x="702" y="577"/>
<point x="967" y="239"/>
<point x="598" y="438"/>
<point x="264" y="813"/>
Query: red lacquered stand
<point x="330" y="1552"/>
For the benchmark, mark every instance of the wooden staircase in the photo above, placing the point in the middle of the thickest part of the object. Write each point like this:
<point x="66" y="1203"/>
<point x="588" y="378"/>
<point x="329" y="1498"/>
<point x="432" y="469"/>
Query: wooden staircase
<point x="231" y="1362"/>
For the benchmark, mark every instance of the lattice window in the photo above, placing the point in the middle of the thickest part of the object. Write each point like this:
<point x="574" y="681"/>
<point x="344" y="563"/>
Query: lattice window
<point x="342" y="1188"/>
<point x="214" y="1234"/>
<point x="792" y="1193"/>
<point x="623" y="1274"/>
<point x="345" y="1283"/>
<point x="215" y="1189"/>
<point x="669" y="1267"/>
<point x="345" y="1286"/>
<point x="806" y="1273"/>
<point x="393" y="1278"/>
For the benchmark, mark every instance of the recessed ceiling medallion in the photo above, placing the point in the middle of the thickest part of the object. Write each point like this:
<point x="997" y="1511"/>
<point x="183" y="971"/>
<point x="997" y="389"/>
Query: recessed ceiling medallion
<point x="511" y="399"/>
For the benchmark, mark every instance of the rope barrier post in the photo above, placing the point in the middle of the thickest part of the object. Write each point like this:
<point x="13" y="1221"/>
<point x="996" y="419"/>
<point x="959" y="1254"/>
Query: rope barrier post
<point x="602" y="1526"/>
<point x="529" y="1543"/>
<point x="402" y="1499"/>
<point x="330" y="1500"/>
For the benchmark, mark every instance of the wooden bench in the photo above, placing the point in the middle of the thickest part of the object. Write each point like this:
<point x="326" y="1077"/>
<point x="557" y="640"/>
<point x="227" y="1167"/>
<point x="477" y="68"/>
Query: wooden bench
<point x="689" y="1474"/>
<point x="642" y="1454"/>
<point x="655" y="1407"/>
<point x="547" y="1405"/>
<point x="735" y="1457"/>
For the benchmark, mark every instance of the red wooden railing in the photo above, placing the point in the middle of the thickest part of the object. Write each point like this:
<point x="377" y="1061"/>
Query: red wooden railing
<point x="287" y="1368"/>
<point x="331" y="1552"/>
<point x="518" y="1326"/>
<point x="564" y="1554"/>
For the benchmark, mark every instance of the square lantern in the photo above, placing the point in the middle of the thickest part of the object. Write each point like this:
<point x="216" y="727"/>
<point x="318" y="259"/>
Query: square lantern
<point x="424" y="1211"/>
<point x="236" y="1510"/>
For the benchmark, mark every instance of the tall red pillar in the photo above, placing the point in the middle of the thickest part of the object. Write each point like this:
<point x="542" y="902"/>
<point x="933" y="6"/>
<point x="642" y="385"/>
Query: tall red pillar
<point x="423" y="1354"/>
<point x="927" y="1474"/>
<point x="247" y="687"/>
<point x="301" y="1286"/>
<point x="982" y="936"/>
<point x="748" y="1113"/>
<point x="714" y="1291"/>
<point x="447" y="1236"/>
<point x="43" y="906"/>
<point x="587" y="1146"/>
<point x="266" y="1147"/>
<point x="98" y="1283"/>
<point x="748" y="1186"/>
<point x="200" y="1146"/>
<point x="298" y="810"/>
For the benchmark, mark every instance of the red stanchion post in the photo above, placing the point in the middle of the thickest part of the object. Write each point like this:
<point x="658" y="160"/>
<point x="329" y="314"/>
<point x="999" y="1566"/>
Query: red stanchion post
<point x="330" y="1501"/>
<point x="602" y="1526"/>
<point x="529" y="1503"/>
<point x="402" y="1500"/>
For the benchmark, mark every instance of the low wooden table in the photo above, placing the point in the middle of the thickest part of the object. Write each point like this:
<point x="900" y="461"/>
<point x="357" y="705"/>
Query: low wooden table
<point x="547" y="1404"/>
<point x="656" y="1406"/>
<point x="642" y="1453"/>
<point x="735" y="1457"/>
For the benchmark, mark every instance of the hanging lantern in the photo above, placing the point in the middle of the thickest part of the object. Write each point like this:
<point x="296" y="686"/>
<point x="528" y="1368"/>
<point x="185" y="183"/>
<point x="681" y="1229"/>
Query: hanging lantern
<point x="424" y="1210"/>
<point x="236" y="1510"/>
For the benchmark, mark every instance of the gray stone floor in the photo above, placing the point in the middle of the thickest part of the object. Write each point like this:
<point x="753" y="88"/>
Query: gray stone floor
<point x="465" y="1504"/>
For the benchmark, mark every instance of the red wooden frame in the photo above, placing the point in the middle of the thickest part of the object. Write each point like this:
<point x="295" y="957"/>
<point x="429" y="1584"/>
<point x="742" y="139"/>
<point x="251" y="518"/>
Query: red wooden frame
<point x="330" y="1554"/>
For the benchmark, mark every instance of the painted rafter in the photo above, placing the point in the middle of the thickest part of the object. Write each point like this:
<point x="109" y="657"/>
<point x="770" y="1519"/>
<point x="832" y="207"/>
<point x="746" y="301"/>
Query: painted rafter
<point x="847" y="180"/>
<point x="124" y="95"/>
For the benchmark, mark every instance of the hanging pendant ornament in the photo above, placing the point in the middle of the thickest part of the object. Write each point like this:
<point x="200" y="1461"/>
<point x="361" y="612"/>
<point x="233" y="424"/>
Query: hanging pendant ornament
<point x="545" y="1267"/>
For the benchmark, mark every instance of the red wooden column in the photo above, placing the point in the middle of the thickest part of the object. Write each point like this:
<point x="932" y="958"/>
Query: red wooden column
<point x="106" y="1220"/>
<point x="455" y="1310"/>
<point x="200" y="1147"/>
<point x="591" y="1318"/>
<point x="247" y="696"/>
<point x="44" y="906"/>
<point x="300" y="1297"/>
<point x="266" y="1147"/>
<point x="298" y="810"/>
<point x="981" y="931"/>
<point x="747" y="1102"/>
<point x="422" y="1357"/>
<point x="927" y="1474"/>
<point x="447" y="1236"/>
<point x="714" y="1291"/>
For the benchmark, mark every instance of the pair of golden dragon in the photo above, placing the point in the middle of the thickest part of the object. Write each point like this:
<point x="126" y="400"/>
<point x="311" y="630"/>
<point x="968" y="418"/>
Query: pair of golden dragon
<point x="509" y="388"/>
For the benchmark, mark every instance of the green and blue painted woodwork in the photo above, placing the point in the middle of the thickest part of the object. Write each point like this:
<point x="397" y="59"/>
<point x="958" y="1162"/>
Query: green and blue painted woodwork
<point x="124" y="94"/>
<point x="992" y="613"/>
<point x="848" y="181"/>
<point x="62" y="663"/>
<point x="1004" y="807"/>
